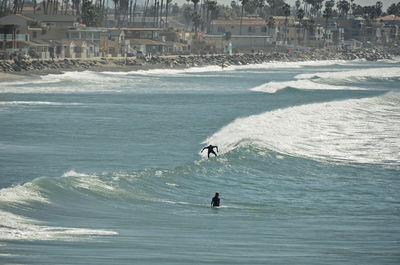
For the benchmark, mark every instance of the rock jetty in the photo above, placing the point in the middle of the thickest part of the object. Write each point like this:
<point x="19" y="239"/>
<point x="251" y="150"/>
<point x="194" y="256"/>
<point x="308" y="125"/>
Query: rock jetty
<point x="163" y="62"/>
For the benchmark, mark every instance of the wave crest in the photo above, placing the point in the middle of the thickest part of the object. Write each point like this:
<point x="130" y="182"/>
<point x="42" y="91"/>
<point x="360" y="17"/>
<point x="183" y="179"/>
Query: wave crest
<point x="343" y="131"/>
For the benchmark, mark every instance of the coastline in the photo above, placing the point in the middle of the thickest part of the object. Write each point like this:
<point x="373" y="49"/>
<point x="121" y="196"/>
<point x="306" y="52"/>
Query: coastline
<point x="15" y="69"/>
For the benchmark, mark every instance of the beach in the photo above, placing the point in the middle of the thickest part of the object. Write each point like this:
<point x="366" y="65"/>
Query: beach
<point x="126" y="64"/>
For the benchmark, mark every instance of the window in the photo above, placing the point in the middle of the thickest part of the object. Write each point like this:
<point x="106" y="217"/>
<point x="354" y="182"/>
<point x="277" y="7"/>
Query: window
<point x="34" y="35"/>
<point x="264" y="29"/>
<point x="251" y="29"/>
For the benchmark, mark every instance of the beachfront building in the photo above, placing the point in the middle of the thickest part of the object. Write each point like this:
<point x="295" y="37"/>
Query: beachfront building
<point x="114" y="43"/>
<point x="146" y="41"/>
<point x="13" y="35"/>
<point x="388" y="30"/>
<point x="251" y="34"/>
<point x="65" y="48"/>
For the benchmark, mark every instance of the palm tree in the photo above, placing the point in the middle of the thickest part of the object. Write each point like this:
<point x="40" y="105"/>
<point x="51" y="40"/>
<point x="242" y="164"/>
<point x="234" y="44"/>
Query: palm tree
<point x="270" y="23"/>
<point x="343" y="7"/>
<point x="241" y="15"/>
<point x="298" y="4"/>
<point x="166" y="11"/>
<point x="300" y="16"/>
<point x="210" y="7"/>
<point x="308" y="25"/>
<point x="286" y="13"/>
<point x="328" y="12"/>
<point x="115" y="9"/>
<point x="195" y="2"/>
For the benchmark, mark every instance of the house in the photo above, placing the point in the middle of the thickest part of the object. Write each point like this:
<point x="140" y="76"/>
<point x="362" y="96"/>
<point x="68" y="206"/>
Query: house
<point x="86" y="33"/>
<point x="249" y="27"/>
<point x="13" y="36"/>
<point x="57" y="20"/>
<point x="388" y="30"/>
<point x="65" y="48"/>
<point x="113" y="43"/>
<point x="149" y="47"/>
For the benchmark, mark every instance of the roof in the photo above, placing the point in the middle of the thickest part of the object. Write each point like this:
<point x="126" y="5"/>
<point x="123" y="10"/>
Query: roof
<point x="389" y="18"/>
<point x="16" y="19"/>
<point x="137" y="29"/>
<point x="65" y="42"/>
<point x="54" y="18"/>
<point x="236" y="22"/>
<point x="252" y="22"/>
<point x="147" y="42"/>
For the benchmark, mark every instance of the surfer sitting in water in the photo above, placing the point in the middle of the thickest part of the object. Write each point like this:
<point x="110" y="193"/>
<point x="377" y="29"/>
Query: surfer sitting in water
<point x="210" y="150"/>
<point x="215" y="201"/>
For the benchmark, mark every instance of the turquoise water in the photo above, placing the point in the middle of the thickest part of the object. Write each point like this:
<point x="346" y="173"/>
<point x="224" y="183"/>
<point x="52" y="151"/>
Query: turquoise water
<point x="105" y="168"/>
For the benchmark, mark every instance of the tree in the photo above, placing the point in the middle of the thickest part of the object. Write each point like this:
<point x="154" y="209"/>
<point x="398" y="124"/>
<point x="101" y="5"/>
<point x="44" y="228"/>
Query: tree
<point x="195" y="2"/>
<point x="297" y="4"/>
<point x="309" y="26"/>
<point x="89" y="13"/>
<point x="394" y="9"/>
<point x="300" y="17"/>
<point x="116" y="2"/>
<point x="187" y="15"/>
<point x="328" y="11"/>
<point x="328" y="14"/>
<point x="270" y="23"/>
<point x="197" y="21"/>
<point x="211" y="6"/>
<point x="343" y="7"/>
<point x="166" y="11"/>
<point x="241" y="15"/>
<point x="286" y="13"/>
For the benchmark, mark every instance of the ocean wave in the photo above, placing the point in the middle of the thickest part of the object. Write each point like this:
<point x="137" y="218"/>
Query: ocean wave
<point x="273" y="87"/>
<point x="22" y="194"/>
<point x="16" y="227"/>
<point x="217" y="68"/>
<point x="68" y="82"/>
<point x="37" y="103"/>
<point x="354" y="131"/>
<point x="379" y="73"/>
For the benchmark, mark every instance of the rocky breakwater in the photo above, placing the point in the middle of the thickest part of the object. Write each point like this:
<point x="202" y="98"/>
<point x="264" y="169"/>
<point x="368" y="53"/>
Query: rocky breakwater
<point x="131" y="64"/>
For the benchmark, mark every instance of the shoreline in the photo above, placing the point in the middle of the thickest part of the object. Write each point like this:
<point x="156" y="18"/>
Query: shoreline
<point x="15" y="69"/>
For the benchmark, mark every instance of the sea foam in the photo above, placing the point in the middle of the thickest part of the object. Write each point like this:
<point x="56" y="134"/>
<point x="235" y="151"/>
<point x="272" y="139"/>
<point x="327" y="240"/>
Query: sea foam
<point x="354" y="130"/>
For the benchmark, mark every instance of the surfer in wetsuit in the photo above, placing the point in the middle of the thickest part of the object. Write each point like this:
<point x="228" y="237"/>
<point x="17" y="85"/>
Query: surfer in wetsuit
<point x="210" y="150"/>
<point x="215" y="201"/>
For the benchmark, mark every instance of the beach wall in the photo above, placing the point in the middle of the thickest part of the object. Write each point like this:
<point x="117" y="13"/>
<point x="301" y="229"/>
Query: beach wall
<point x="179" y="61"/>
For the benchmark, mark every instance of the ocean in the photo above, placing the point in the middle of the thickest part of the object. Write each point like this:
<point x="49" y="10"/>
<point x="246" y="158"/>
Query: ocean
<point x="106" y="168"/>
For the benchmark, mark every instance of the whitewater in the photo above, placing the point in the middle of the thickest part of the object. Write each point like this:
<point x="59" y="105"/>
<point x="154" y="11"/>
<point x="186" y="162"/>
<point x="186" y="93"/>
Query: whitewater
<point x="106" y="168"/>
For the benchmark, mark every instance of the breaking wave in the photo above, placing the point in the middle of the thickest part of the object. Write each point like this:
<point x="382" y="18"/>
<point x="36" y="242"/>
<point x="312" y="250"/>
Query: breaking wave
<point x="353" y="131"/>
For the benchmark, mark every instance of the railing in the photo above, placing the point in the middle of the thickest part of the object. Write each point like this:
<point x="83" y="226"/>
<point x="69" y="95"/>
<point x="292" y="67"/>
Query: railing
<point x="18" y="37"/>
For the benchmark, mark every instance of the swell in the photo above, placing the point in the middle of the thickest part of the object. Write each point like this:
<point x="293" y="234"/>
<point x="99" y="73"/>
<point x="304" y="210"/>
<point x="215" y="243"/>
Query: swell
<point x="361" y="131"/>
<point x="337" y="80"/>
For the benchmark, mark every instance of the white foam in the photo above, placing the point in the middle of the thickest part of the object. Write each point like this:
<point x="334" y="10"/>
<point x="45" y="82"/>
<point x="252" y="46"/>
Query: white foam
<point x="88" y="182"/>
<point x="29" y="192"/>
<point x="68" y="82"/>
<point x="392" y="72"/>
<point x="217" y="68"/>
<point x="355" y="130"/>
<point x="273" y="87"/>
<point x="202" y="69"/>
<point x="15" y="227"/>
<point x="37" y="103"/>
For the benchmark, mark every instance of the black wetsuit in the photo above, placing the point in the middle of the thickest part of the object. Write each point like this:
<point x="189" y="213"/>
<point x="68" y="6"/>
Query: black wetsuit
<point x="210" y="150"/>
<point x="215" y="201"/>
